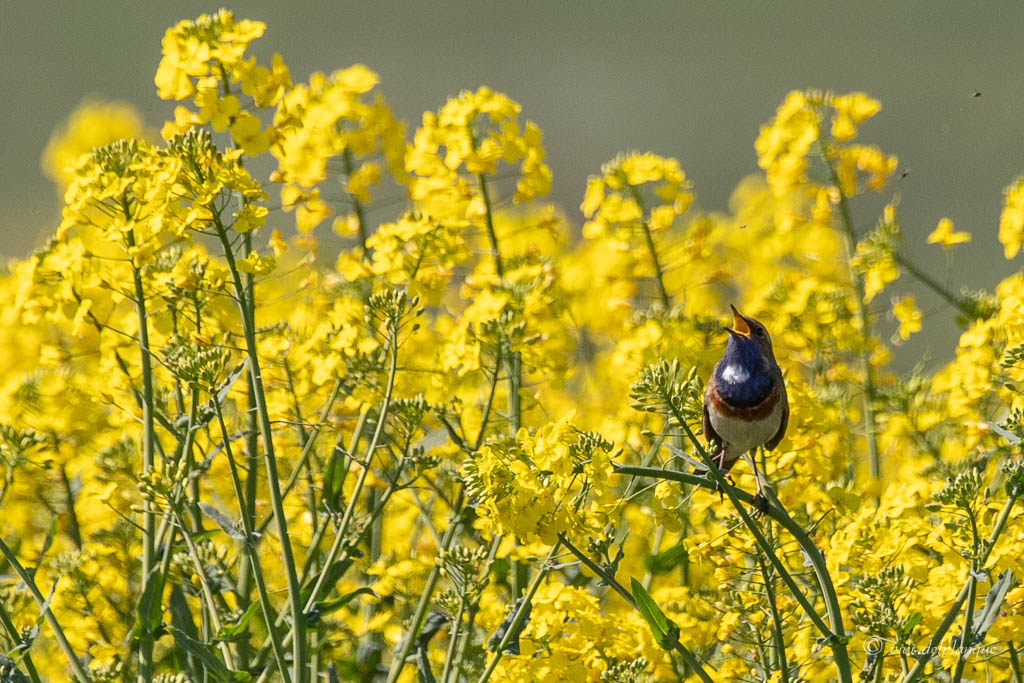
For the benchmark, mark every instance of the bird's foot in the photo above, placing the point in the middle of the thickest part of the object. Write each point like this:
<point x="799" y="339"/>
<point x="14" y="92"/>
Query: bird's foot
<point x="761" y="504"/>
<point x="718" y="486"/>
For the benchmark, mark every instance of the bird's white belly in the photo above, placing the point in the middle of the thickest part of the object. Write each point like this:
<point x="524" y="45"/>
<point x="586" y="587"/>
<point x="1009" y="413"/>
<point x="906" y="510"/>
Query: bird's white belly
<point x="744" y="436"/>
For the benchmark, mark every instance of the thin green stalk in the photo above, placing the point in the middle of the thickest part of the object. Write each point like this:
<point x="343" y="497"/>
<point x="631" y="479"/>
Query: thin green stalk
<point x="339" y="538"/>
<point x="58" y="633"/>
<point x="486" y="415"/>
<point x="342" y="532"/>
<point x="422" y="607"/>
<point x="307" y="449"/>
<point x="148" y="438"/>
<point x="837" y="634"/>
<point x="467" y="634"/>
<point x="599" y="570"/>
<point x="659" y="535"/>
<point x="519" y="573"/>
<point x="249" y="547"/>
<point x="965" y="634"/>
<point x="780" y="642"/>
<point x="453" y="638"/>
<point x="659" y="273"/>
<point x="1018" y="675"/>
<point x="204" y="584"/>
<point x="947" y="621"/>
<point x="961" y="305"/>
<point x="15" y="638"/>
<point x="879" y="668"/>
<point x="659" y="276"/>
<point x="491" y="234"/>
<point x="862" y="318"/>
<point x="313" y="555"/>
<point x="247" y="503"/>
<point x="520" y="614"/>
<point x="270" y="460"/>
<point x="346" y="158"/>
<point x="972" y="591"/>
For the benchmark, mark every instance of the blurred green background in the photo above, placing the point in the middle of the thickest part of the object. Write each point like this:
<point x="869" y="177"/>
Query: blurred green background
<point x="690" y="80"/>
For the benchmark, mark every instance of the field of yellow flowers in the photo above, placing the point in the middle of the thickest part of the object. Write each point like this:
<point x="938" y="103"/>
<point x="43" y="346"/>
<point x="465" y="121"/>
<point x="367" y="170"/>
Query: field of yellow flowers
<point x="461" y="447"/>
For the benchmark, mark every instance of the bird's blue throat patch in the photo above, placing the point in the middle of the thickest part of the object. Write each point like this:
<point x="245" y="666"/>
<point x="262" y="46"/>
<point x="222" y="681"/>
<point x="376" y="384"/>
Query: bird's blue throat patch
<point x="743" y="377"/>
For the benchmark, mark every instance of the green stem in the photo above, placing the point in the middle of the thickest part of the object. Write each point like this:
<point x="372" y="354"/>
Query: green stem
<point x="599" y="570"/>
<point x="249" y="547"/>
<point x="204" y="584"/>
<point x="467" y="634"/>
<point x="1018" y="676"/>
<point x="148" y="438"/>
<point x="486" y="415"/>
<point x="422" y="607"/>
<point x="17" y="644"/>
<point x="346" y="158"/>
<point x="659" y="274"/>
<point x="307" y="448"/>
<point x="58" y="632"/>
<point x="453" y="638"/>
<point x="961" y="305"/>
<point x="965" y="634"/>
<point x="972" y="592"/>
<point x="862" y="317"/>
<point x="780" y="642"/>
<point x="491" y="235"/>
<point x="688" y="657"/>
<point x="339" y="538"/>
<point x="520" y="614"/>
<point x="270" y="460"/>
<point x="659" y="277"/>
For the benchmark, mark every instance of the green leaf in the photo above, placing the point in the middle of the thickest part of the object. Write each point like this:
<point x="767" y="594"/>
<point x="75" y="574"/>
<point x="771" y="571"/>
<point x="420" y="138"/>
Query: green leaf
<point x="665" y="631"/>
<point x="328" y="606"/>
<point x="46" y="603"/>
<point x="986" y="616"/>
<point x="197" y="538"/>
<point x="181" y="619"/>
<point x="238" y="629"/>
<point x="148" y="611"/>
<point x="435" y="621"/>
<point x="334" y="478"/>
<point x="47" y="542"/>
<point x="334" y="574"/>
<point x="212" y="664"/>
<point x="908" y="628"/>
<point x="665" y="561"/>
<point x="226" y="524"/>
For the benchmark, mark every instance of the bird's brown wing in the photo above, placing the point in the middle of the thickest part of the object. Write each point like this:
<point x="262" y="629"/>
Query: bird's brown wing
<point x="774" y="441"/>
<point x="710" y="435"/>
<point x="715" y="443"/>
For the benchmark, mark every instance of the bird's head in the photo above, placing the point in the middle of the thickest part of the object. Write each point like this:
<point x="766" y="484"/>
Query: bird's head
<point x="746" y="332"/>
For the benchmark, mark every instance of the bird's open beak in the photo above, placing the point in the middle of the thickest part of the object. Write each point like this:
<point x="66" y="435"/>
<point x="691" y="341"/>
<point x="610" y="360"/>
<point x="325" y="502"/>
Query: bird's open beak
<point x="739" y="323"/>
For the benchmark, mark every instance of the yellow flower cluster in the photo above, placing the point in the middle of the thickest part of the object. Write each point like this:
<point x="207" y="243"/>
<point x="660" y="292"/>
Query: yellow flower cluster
<point x="1011" y="220"/>
<point x="470" y="135"/>
<point x="327" y="119"/>
<point x="545" y="484"/>
<point x="633" y="190"/>
<point x="203" y="60"/>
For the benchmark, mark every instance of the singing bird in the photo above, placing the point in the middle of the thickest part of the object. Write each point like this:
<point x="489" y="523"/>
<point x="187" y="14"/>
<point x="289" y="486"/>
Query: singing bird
<point x="745" y="403"/>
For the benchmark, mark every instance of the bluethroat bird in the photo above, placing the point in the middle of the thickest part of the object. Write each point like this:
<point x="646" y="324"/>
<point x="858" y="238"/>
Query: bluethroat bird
<point x="745" y="403"/>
